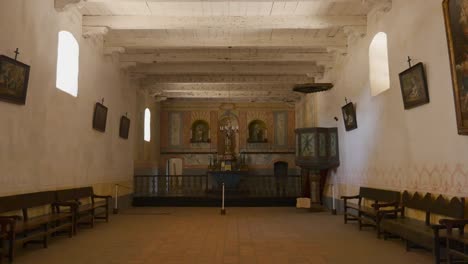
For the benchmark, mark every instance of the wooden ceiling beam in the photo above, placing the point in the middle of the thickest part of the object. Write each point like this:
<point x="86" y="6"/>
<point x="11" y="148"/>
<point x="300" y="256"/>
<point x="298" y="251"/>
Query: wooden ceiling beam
<point x="223" y="22"/>
<point x="227" y="78"/>
<point x="219" y="55"/>
<point x="227" y="94"/>
<point x="229" y="68"/>
<point x="219" y="87"/>
<point x="133" y="42"/>
<point x="269" y="1"/>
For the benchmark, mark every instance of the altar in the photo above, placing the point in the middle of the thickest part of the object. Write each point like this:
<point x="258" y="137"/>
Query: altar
<point x="229" y="168"/>
<point x="231" y="179"/>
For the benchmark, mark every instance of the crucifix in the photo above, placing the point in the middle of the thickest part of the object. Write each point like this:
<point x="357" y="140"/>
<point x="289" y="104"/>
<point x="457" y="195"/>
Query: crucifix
<point x="409" y="61"/>
<point x="16" y="53"/>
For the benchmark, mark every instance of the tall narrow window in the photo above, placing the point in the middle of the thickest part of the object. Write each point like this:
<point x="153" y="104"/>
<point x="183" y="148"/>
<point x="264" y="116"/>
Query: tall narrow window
<point x="147" y="135"/>
<point x="67" y="63"/>
<point x="379" y="72"/>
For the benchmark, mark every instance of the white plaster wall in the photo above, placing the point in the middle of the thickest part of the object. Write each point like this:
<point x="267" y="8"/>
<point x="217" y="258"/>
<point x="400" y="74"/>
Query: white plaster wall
<point x="306" y="112"/>
<point x="49" y="143"/>
<point x="147" y="153"/>
<point x="417" y="149"/>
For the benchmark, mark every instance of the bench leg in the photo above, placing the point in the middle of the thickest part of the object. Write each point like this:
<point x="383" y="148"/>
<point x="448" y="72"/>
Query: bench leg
<point x="436" y="251"/>
<point x="107" y="213"/>
<point x="75" y="227"/>
<point x="45" y="239"/>
<point x="345" y="214"/>
<point x="449" y="257"/>
<point x="70" y="230"/>
<point x="408" y="245"/>
<point x="2" y="248"/>
<point x="359" y="221"/>
<point x="11" y="249"/>
<point x="92" y="218"/>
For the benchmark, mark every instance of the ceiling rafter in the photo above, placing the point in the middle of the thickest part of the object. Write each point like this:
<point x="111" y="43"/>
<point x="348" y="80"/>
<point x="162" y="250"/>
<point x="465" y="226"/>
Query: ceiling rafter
<point x="238" y="49"/>
<point x="226" y="78"/>
<point x="228" y="22"/>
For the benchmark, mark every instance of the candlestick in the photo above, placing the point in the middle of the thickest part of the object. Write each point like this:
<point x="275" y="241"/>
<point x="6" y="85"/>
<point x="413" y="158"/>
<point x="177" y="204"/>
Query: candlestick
<point x="116" y="205"/>
<point x="223" y="211"/>
<point x="333" y="200"/>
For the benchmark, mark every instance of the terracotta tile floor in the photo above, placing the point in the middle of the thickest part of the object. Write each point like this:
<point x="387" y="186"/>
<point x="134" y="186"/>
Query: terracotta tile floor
<point x="201" y="235"/>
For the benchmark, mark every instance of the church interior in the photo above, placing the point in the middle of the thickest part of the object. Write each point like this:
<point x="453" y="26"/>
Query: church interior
<point x="233" y="131"/>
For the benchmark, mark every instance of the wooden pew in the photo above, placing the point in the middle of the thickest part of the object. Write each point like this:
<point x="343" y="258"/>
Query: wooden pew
<point x="19" y="229"/>
<point x="84" y="204"/>
<point x="367" y="215"/>
<point x="419" y="233"/>
<point x="5" y="225"/>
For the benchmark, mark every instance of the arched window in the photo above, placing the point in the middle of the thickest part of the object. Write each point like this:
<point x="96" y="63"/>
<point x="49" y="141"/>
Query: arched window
<point x="68" y="54"/>
<point x="379" y="72"/>
<point x="147" y="133"/>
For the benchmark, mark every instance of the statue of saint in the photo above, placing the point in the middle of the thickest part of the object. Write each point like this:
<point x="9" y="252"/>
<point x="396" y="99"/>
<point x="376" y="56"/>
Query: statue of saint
<point x="228" y="142"/>
<point x="257" y="133"/>
<point x="199" y="133"/>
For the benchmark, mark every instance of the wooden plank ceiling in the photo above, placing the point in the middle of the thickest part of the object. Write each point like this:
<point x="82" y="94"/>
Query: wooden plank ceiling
<point x="225" y="50"/>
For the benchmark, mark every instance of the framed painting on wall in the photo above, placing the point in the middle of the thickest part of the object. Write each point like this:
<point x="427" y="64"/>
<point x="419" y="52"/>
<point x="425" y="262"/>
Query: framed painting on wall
<point x="100" y="117"/>
<point x="124" y="127"/>
<point x="349" y="116"/>
<point x="200" y="132"/>
<point x="14" y="77"/>
<point x="414" y="86"/>
<point x="456" y="24"/>
<point x="257" y="132"/>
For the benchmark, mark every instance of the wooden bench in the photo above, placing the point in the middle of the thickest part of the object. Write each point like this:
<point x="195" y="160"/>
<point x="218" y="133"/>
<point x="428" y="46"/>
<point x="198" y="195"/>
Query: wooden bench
<point x="4" y="228"/>
<point x="419" y="233"/>
<point x="19" y="229"/>
<point x="367" y="215"/>
<point x="86" y="207"/>
<point x="457" y="243"/>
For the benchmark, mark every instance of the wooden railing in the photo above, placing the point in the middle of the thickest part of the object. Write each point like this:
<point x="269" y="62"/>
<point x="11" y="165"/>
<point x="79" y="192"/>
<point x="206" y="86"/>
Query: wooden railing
<point x="174" y="185"/>
<point x="272" y="186"/>
<point x="267" y="186"/>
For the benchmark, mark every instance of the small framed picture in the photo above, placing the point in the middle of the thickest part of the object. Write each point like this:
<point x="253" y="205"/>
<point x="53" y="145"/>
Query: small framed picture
<point x="349" y="116"/>
<point x="124" y="127"/>
<point x="14" y="77"/>
<point x="414" y="86"/>
<point x="100" y="117"/>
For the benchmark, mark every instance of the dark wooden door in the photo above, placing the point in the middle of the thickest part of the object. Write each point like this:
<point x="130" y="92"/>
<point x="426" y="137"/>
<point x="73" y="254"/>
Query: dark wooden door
<point x="281" y="176"/>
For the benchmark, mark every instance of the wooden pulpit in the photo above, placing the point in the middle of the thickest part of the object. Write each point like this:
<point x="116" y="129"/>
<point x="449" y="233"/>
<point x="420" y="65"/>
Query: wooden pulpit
<point x="316" y="153"/>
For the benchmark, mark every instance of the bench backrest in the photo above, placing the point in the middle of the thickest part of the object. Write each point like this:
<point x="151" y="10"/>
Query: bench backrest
<point x="379" y="195"/>
<point x="84" y="192"/>
<point x="455" y="208"/>
<point x="25" y="201"/>
<point x="416" y="201"/>
<point x="74" y="194"/>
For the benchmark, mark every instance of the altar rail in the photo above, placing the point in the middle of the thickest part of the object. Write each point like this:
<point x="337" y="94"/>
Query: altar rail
<point x="251" y="186"/>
